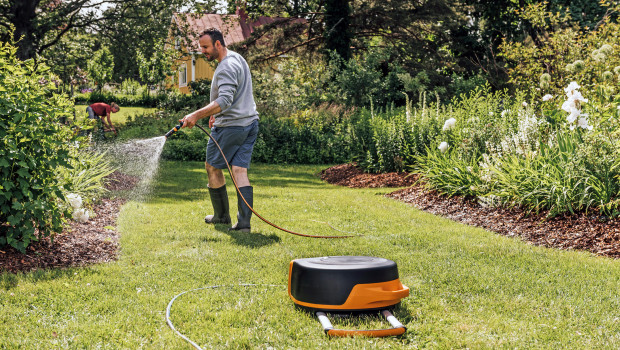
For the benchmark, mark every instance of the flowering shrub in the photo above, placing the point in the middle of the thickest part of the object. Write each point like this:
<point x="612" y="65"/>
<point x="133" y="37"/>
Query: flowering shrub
<point x="556" y="159"/>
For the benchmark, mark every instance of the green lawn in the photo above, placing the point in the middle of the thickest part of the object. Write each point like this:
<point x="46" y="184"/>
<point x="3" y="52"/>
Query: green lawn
<point x="469" y="288"/>
<point x="118" y="118"/>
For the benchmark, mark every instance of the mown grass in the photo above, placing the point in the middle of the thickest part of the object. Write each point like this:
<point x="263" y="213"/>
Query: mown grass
<point x="469" y="288"/>
<point x="120" y="117"/>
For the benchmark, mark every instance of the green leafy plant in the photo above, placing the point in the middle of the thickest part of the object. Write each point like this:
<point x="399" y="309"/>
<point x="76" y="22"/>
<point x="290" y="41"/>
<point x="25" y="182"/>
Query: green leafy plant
<point x="132" y="87"/>
<point x="122" y="99"/>
<point x="101" y="67"/>
<point x="149" y="125"/>
<point x="158" y="67"/>
<point x="33" y="145"/>
<point x="86" y="174"/>
<point x="450" y="174"/>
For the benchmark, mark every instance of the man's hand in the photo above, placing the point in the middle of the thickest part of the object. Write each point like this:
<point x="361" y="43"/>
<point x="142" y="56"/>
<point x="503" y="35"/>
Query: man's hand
<point x="211" y="121"/>
<point x="189" y="120"/>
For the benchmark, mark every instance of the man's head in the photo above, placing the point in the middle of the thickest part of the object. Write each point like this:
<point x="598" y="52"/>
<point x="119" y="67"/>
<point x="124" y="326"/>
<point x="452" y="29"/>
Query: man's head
<point x="212" y="44"/>
<point x="114" y="107"/>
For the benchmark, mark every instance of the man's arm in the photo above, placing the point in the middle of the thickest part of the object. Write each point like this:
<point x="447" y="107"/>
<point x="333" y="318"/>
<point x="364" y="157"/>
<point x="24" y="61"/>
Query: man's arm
<point x="211" y="109"/>
<point x="109" y="121"/>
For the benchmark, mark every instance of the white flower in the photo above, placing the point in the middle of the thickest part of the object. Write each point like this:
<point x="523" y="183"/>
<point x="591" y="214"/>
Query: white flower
<point x="524" y="104"/>
<point x="449" y="124"/>
<point x="576" y="96"/>
<point x="583" y="122"/>
<point x="74" y="200"/>
<point x="606" y="49"/>
<point x="547" y="97"/>
<point x="443" y="147"/>
<point x="505" y="111"/>
<point x="491" y="113"/>
<point x="81" y="215"/>
<point x="571" y="87"/>
<point x="574" y="114"/>
<point x="568" y="105"/>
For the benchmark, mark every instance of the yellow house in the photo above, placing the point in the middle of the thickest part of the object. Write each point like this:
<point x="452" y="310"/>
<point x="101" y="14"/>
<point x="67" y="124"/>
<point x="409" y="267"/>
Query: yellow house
<point x="184" y="32"/>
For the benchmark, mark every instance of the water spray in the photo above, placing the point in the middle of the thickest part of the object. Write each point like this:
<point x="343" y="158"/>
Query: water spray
<point x="176" y="128"/>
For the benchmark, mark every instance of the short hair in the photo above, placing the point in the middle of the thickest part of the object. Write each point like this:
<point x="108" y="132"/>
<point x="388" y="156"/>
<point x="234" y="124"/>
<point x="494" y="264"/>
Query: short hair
<point x="214" y="34"/>
<point x="114" y="105"/>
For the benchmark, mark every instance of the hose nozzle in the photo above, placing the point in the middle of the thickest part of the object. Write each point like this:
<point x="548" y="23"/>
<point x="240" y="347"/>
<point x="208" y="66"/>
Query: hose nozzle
<point x="173" y="130"/>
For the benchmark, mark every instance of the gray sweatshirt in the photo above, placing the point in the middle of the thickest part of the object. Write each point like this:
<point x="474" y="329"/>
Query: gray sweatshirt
<point x="231" y="88"/>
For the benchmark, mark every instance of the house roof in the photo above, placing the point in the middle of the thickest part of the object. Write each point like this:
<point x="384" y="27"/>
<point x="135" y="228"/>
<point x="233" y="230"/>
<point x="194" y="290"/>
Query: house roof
<point x="235" y="28"/>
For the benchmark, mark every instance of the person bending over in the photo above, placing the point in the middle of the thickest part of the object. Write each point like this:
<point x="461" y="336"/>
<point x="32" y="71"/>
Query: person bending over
<point x="101" y="111"/>
<point x="233" y="120"/>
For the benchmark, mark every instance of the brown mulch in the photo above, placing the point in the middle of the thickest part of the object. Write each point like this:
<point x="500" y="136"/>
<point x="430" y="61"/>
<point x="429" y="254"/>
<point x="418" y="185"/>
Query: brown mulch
<point x="118" y="181"/>
<point x="350" y="175"/>
<point x="590" y="232"/>
<point x="79" y="244"/>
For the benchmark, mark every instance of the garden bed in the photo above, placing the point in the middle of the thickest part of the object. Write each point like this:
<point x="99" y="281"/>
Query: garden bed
<point x="96" y="241"/>
<point x="350" y="175"/>
<point x="590" y="232"/>
<point x="79" y="244"/>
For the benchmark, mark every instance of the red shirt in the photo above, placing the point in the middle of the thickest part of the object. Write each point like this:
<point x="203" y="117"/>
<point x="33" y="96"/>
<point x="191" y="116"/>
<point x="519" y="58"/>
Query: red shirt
<point x="101" y="109"/>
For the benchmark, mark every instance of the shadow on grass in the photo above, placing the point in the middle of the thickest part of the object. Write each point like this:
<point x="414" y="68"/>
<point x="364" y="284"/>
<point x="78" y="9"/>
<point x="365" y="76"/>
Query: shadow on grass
<point x="10" y="280"/>
<point x="250" y="240"/>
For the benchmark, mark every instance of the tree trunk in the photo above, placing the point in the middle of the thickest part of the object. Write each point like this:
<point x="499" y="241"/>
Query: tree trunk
<point x="22" y="16"/>
<point x="337" y="32"/>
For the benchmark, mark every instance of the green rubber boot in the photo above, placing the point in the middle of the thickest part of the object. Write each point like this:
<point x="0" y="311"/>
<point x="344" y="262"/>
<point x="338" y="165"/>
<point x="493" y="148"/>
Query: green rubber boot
<point x="244" y="213"/>
<point x="219" y="199"/>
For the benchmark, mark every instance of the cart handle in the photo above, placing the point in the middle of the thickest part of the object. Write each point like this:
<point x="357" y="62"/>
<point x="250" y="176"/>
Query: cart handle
<point x="397" y="327"/>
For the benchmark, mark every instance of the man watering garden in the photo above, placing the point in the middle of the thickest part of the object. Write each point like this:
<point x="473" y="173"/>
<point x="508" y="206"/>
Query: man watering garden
<point x="234" y="125"/>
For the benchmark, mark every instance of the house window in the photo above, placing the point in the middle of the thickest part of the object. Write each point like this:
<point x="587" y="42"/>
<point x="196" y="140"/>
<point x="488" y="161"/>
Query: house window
<point x="183" y="75"/>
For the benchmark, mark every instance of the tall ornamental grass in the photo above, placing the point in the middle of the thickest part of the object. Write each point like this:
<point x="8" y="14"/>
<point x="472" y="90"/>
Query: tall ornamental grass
<point x="86" y="173"/>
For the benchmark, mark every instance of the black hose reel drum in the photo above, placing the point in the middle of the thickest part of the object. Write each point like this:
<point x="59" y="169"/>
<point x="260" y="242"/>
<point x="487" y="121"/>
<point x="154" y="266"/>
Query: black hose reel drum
<point x="347" y="284"/>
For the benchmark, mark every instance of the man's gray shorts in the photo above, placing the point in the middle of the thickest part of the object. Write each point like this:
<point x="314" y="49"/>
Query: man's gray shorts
<point x="237" y="142"/>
